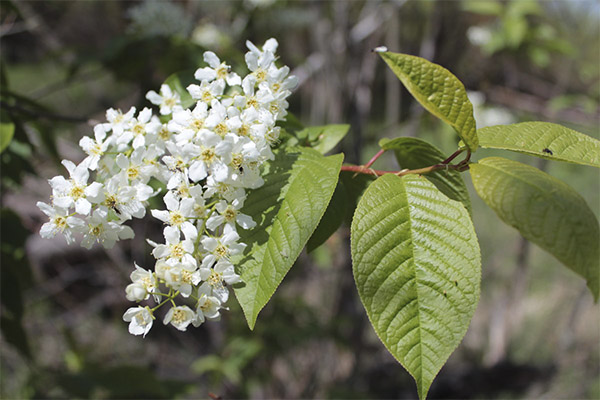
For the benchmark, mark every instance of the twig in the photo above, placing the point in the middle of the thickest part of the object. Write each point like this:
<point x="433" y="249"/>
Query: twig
<point x="42" y="114"/>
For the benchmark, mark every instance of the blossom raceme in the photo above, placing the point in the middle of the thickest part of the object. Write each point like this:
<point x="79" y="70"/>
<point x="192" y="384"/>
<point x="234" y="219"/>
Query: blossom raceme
<point x="205" y="157"/>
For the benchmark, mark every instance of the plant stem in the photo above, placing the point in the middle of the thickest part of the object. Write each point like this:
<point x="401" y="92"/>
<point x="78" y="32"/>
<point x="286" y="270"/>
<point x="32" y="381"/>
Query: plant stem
<point x="375" y="157"/>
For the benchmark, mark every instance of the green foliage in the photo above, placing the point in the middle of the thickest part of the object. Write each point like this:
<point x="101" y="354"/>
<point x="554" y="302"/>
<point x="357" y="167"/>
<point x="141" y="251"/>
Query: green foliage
<point x="413" y="153"/>
<point x="438" y="90"/>
<point x="417" y="267"/>
<point x="332" y="219"/>
<point x="323" y="138"/>
<point x="545" y="210"/>
<point x="543" y="139"/>
<point x="298" y="186"/>
<point x="7" y="131"/>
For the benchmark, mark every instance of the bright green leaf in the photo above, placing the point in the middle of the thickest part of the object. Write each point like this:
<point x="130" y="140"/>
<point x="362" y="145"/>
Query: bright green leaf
<point x="7" y="131"/>
<point x="543" y="139"/>
<point x="438" y="90"/>
<point x="178" y="82"/>
<point x="298" y="186"/>
<point x="324" y="138"/>
<point x="417" y="266"/>
<point x="545" y="210"/>
<point x="332" y="219"/>
<point x="413" y="153"/>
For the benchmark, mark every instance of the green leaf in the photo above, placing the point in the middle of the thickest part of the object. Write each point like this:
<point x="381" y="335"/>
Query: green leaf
<point x="354" y="186"/>
<point x="324" y="138"/>
<point x="298" y="186"/>
<point x="545" y="210"/>
<point x="417" y="266"/>
<point x="332" y="219"/>
<point x="413" y="153"/>
<point x="543" y="139"/>
<point x="178" y="82"/>
<point x="7" y="131"/>
<point x="438" y="90"/>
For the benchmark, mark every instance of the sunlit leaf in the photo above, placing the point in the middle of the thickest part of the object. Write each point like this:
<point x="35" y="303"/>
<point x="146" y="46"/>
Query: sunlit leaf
<point x="545" y="210"/>
<point x="298" y="186"/>
<point x="417" y="267"/>
<point x="438" y="90"/>
<point x="7" y="131"/>
<point x="332" y="219"/>
<point x="413" y="153"/>
<point x="543" y="139"/>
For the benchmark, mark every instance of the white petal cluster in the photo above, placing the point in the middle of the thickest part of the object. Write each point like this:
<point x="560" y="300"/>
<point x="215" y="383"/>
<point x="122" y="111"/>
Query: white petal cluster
<point x="206" y="157"/>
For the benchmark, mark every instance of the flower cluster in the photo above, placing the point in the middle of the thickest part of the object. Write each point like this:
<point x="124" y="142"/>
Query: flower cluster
<point x="206" y="157"/>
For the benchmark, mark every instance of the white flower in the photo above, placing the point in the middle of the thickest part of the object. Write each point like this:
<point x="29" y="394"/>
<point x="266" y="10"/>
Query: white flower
<point x="75" y="191"/>
<point x="137" y="167"/>
<point x="144" y="283"/>
<point x="60" y="221"/>
<point x="181" y="277"/>
<point x="166" y="100"/>
<point x="139" y="127"/>
<point x="140" y="320"/>
<point x="207" y="308"/>
<point x="212" y="157"/>
<point x="180" y="317"/>
<point x="102" y="231"/>
<point x="216" y="278"/>
<point x="217" y="70"/>
<point x="229" y="214"/>
<point x="206" y="91"/>
<point x="259" y="61"/>
<point x="186" y="123"/>
<point x="95" y="148"/>
<point x="118" y="121"/>
<point x="176" y="249"/>
<point x="178" y="213"/>
<point x="221" y="248"/>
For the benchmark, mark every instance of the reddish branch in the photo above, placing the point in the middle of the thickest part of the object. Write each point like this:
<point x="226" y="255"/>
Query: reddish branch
<point x="365" y="169"/>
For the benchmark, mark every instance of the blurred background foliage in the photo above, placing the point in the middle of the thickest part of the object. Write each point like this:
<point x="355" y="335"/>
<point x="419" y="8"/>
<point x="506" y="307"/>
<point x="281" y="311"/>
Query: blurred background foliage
<point x="536" y="331"/>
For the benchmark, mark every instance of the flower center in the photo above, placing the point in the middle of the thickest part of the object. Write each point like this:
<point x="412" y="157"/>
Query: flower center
<point x="186" y="277"/>
<point x="197" y="124"/>
<point x="60" y="222"/>
<point x="221" y="129"/>
<point x="96" y="230"/>
<point x="230" y="214"/>
<point x="260" y="74"/>
<point x="215" y="279"/>
<point x="237" y="160"/>
<point x="252" y="102"/>
<point x="164" y="133"/>
<point x="176" y="218"/>
<point x="133" y="172"/>
<point x="139" y="129"/>
<point x="221" y="251"/>
<point x="77" y="192"/>
<point x="222" y="71"/>
<point x="207" y="155"/>
<point x="179" y="316"/>
<point x="170" y="102"/>
<point x="177" y="250"/>
<point x="206" y="96"/>
<point x="244" y="130"/>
